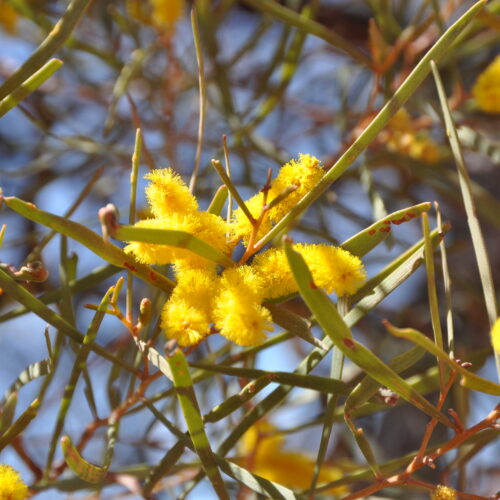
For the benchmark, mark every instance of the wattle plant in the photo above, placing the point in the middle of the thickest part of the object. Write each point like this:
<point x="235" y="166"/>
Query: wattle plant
<point x="198" y="296"/>
<point x="207" y="300"/>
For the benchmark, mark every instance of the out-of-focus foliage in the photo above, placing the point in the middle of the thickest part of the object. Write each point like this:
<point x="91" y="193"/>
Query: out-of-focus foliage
<point x="333" y="403"/>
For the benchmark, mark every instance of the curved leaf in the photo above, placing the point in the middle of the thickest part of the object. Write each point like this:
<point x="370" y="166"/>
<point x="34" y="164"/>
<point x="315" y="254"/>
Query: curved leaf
<point x="180" y="239"/>
<point x="83" y="469"/>
<point x="104" y="249"/>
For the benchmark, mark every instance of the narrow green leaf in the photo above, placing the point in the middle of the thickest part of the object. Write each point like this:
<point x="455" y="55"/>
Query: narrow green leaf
<point x="8" y="411"/>
<point x="136" y="160"/>
<point x="217" y="203"/>
<point x="334" y="326"/>
<point x="236" y="401"/>
<point x="478" y="243"/>
<point x="163" y="468"/>
<point x="367" y="239"/>
<point x="31" y="372"/>
<point x="180" y="239"/>
<point x="78" y="367"/>
<point x="469" y="379"/>
<point x="202" y="95"/>
<point x="232" y="188"/>
<point x="104" y="249"/>
<point x="85" y="470"/>
<point x="155" y="357"/>
<point x="128" y="71"/>
<point x="446" y="285"/>
<point x="20" y="424"/>
<point x="313" y="382"/>
<point x="432" y="293"/>
<point x="294" y="324"/>
<point x="190" y="409"/>
<point x="29" y="86"/>
<point x="256" y="483"/>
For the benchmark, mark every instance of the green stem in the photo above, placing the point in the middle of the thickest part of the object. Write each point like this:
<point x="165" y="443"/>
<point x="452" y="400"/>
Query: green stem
<point x="53" y="42"/>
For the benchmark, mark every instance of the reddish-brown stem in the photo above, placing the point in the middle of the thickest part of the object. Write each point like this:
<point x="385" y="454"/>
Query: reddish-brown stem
<point x="432" y="424"/>
<point x="18" y="445"/>
<point x="404" y="478"/>
<point x="115" y="416"/>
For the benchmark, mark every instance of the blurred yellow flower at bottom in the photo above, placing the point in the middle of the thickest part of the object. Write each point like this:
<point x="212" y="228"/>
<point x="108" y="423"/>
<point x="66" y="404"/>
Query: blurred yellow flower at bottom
<point x="262" y="453"/>
<point x="11" y="485"/>
<point x="8" y="17"/>
<point x="495" y="336"/>
<point x="486" y="90"/>
<point x="166" y="12"/>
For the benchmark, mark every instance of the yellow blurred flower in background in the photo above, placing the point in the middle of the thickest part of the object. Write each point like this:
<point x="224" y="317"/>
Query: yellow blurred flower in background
<point x="8" y="17"/>
<point x="403" y="137"/>
<point x="11" y="484"/>
<point x="261" y="451"/>
<point x="495" y="336"/>
<point x="486" y="90"/>
<point x="166" y="13"/>
<point x="163" y="14"/>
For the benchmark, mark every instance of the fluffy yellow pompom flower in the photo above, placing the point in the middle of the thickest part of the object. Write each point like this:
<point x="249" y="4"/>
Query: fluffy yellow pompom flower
<point x="167" y="194"/>
<point x="11" y="485"/>
<point x="495" y="336"/>
<point x="272" y="266"/>
<point x="166" y="12"/>
<point x="241" y="227"/>
<point x="444" y="493"/>
<point x="8" y="17"/>
<point x="303" y="174"/>
<point x="333" y="268"/>
<point x="208" y="227"/>
<point x="262" y="452"/>
<point x="486" y="90"/>
<point x="238" y="313"/>
<point x="186" y="316"/>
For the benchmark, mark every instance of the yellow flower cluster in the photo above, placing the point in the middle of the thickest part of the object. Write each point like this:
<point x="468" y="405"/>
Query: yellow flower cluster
<point x="175" y="208"/>
<point x="401" y="136"/>
<point x="333" y="269"/>
<point x="11" y="485"/>
<point x="495" y="336"/>
<point x="261" y="451"/>
<point x="301" y="174"/>
<point x="164" y="14"/>
<point x="444" y="493"/>
<point x="486" y="90"/>
<point x="231" y="303"/>
<point x="8" y="17"/>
